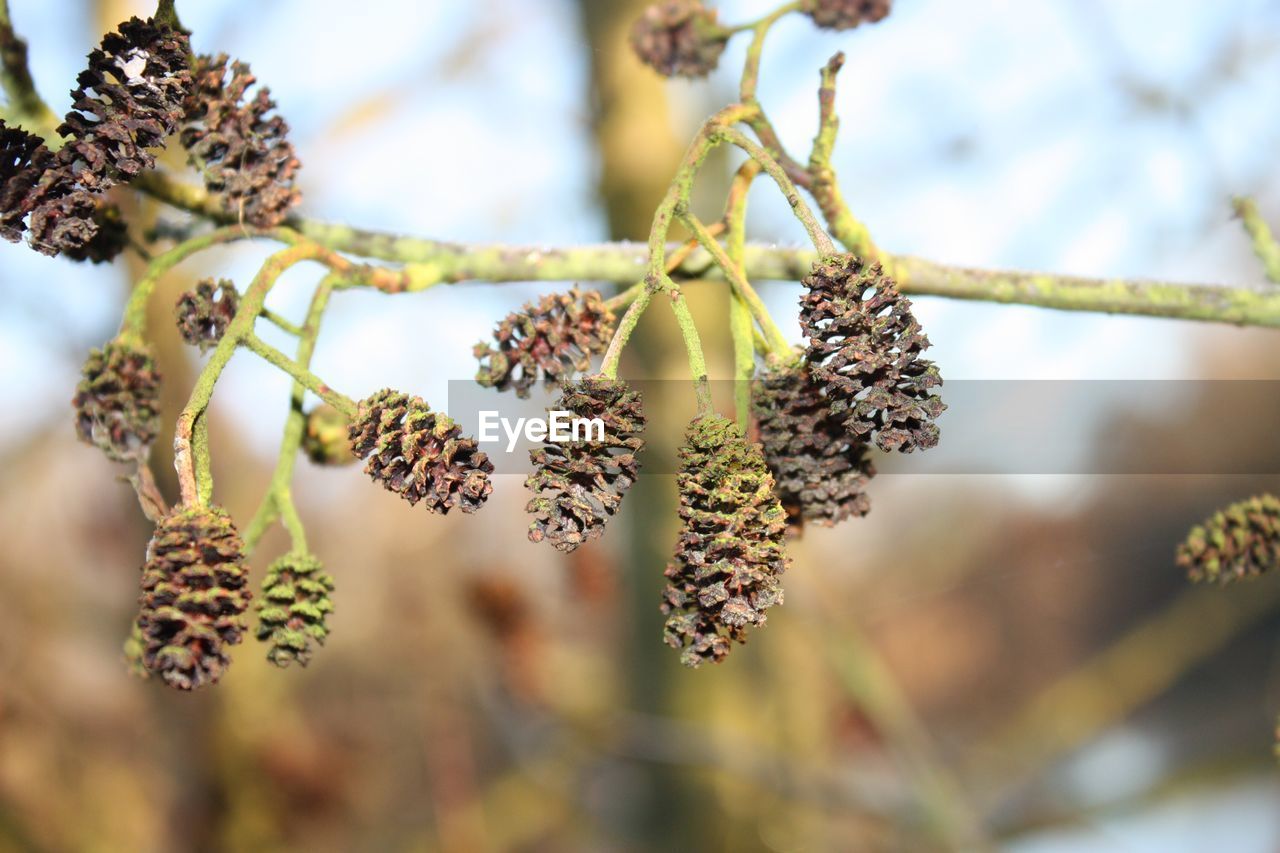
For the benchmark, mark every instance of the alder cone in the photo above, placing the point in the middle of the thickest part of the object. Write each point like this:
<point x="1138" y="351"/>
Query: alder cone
<point x="729" y="554"/>
<point x="822" y="473"/>
<point x="420" y="454"/>
<point x="239" y="143"/>
<point x="1240" y="541"/>
<point x="579" y="485"/>
<point x="548" y="341"/>
<point x="846" y="14"/>
<point x="679" y="38"/>
<point x="24" y="159"/>
<point x="117" y="402"/>
<point x="128" y="100"/>
<point x="204" y="313"/>
<point x="193" y="597"/>
<point x="866" y="349"/>
<point x="293" y="609"/>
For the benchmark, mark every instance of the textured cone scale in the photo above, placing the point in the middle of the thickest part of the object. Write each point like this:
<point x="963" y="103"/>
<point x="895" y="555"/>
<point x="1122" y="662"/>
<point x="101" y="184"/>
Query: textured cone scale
<point x="117" y="402"/>
<point x="239" y="143"/>
<point x="293" y="608"/>
<point x="821" y="471"/>
<point x="420" y="454"/>
<point x="548" y="341"/>
<point x="203" y="314"/>
<point x="324" y="439"/>
<point x="193" y="597"/>
<point x="679" y="38"/>
<point x="579" y="485"/>
<point x="866" y="349"/>
<point x="846" y="14"/>
<point x="1241" y="541"/>
<point x="729" y="554"/>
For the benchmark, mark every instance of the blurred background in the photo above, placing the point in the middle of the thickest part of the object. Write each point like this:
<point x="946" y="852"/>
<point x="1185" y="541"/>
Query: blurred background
<point x="1003" y="661"/>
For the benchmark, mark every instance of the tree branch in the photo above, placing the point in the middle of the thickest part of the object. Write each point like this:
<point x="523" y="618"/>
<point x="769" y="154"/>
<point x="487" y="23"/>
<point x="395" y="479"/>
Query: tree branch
<point x="626" y="263"/>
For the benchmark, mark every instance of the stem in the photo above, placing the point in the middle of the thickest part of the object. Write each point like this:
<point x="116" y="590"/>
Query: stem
<point x="823" y="184"/>
<point x="631" y="296"/>
<point x="301" y="374"/>
<point x="693" y="347"/>
<point x="627" y="325"/>
<point x="742" y="288"/>
<point x="751" y="69"/>
<point x="624" y="263"/>
<point x="278" y="500"/>
<point x="190" y="457"/>
<point x="1264" y="242"/>
<point x="134" y="323"/>
<point x="280" y="322"/>
<point x="799" y="206"/>
<point x="25" y="104"/>
<point x="740" y="325"/>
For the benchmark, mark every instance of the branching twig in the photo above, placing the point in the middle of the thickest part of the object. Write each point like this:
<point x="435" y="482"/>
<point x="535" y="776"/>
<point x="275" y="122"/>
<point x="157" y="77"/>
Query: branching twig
<point x="1264" y="242"/>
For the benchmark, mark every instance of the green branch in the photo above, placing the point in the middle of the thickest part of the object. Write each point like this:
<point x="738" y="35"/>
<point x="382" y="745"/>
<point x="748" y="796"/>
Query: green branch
<point x="25" y="105"/>
<point x="625" y="264"/>
<point x="190" y="453"/>
<point x="278" y="501"/>
<point x="1264" y="242"/>
<point x="300" y="374"/>
<point x="740" y="312"/>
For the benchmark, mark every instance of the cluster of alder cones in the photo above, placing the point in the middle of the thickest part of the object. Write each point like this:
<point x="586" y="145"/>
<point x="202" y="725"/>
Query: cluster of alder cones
<point x="861" y="380"/>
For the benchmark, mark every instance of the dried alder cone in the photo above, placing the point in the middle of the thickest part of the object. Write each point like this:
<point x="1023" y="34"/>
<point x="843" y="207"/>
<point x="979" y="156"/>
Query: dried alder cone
<point x="1241" y="541"/>
<point x="24" y="159"/>
<point x="127" y="101"/>
<point x="846" y="14"/>
<point x="239" y="144"/>
<point x="548" y="341"/>
<point x="193" y="597"/>
<point x="203" y="314"/>
<point x="729" y="554"/>
<point x="293" y="608"/>
<point x="679" y="38"/>
<point x="117" y="403"/>
<point x="324" y="438"/>
<point x="866" y="348"/>
<point x="579" y="484"/>
<point x="420" y="454"/>
<point x="821" y="471"/>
